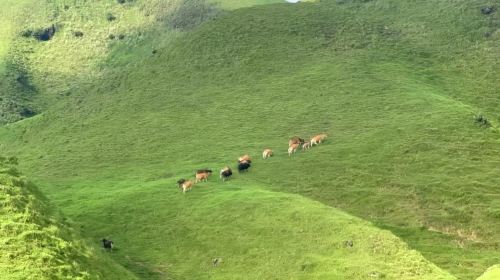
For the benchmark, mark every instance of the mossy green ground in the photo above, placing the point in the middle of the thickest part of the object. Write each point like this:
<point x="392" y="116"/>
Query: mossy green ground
<point x="395" y="84"/>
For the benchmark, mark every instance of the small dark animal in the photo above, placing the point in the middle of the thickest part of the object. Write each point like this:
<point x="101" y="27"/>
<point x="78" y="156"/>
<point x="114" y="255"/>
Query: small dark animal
<point x="243" y="166"/>
<point x="488" y="10"/>
<point x="225" y="173"/>
<point x="107" y="244"/>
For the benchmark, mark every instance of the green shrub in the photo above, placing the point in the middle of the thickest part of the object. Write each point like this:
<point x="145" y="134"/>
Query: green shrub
<point x="482" y="120"/>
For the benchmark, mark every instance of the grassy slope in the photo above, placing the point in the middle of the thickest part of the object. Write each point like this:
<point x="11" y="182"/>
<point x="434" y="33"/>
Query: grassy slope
<point x="6" y="31"/>
<point x="10" y="102"/>
<point x="396" y="93"/>
<point x="258" y="234"/>
<point x="491" y="274"/>
<point x="35" y="245"/>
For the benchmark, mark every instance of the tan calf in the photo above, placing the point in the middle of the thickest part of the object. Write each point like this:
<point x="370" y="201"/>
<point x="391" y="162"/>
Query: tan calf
<point x="306" y="145"/>
<point x="202" y="175"/>
<point x="318" y="139"/>
<point x="185" y="185"/>
<point x="293" y="148"/>
<point x="267" y="153"/>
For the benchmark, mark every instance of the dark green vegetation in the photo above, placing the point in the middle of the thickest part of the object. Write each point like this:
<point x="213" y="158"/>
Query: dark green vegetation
<point x="36" y="245"/>
<point x="398" y="85"/>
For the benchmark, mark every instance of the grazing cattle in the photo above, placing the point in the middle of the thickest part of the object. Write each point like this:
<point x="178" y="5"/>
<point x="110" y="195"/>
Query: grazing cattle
<point x="245" y="158"/>
<point x="267" y="153"/>
<point x="293" y="148"/>
<point x="295" y="140"/>
<point x="202" y="175"/>
<point x="243" y="166"/>
<point x="185" y="185"/>
<point x="225" y="173"/>
<point x="306" y="145"/>
<point x="318" y="139"/>
<point x="107" y="244"/>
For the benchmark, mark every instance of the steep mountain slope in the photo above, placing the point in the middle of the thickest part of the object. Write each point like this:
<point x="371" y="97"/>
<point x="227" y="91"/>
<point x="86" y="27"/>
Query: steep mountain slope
<point x="396" y="84"/>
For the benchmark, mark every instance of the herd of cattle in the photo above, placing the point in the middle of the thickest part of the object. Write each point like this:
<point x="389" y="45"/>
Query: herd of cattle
<point x="244" y="161"/>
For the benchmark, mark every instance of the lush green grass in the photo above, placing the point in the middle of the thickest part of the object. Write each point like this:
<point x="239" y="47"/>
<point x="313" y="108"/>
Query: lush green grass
<point x="36" y="245"/>
<point x="257" y="233"/>
<point x="396" y="85"/>
<point x="5" y="32"/>
<point x="491" y="274"/>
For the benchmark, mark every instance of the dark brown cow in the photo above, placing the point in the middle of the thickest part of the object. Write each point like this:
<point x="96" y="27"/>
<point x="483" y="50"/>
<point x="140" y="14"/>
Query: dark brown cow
<point x="295" y="140"/>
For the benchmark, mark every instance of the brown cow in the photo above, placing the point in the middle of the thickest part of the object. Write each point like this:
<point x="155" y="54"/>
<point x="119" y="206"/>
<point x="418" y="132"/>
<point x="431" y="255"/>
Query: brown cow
<point x="185" y="185"/>
<point x="267" y="153"/>
<point x="318" y="139"/>
<point x="295" y="140"/>
<point x="245" y="158"/>
<point x="202" y="175"/>
<point x="293" y="148"/>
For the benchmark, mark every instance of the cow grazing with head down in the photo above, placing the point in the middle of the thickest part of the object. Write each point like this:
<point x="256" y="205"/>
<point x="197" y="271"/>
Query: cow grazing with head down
<point x="293" y="148"/>
<point x="318" y="139"/>
<point x="225" y="173"/>
<point x="267" y="153"/>
<point x="243" y="166"/>
<point x="245" y="158"/>
<point x="185" y="185"/>
<point x="295" y="140"/>
<point x="202" y="175"/>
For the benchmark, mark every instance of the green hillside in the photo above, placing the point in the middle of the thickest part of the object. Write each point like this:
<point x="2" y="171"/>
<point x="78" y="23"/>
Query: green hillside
<point x="153" y="90"/>
<point x="491" y="274"/>
<point x="34" y="244"/>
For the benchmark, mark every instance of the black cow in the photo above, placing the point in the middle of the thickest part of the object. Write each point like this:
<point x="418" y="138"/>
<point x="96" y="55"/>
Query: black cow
<point x="225" y="173"/>
<point x="243" y="166"/>
<point x="107" y="244"/>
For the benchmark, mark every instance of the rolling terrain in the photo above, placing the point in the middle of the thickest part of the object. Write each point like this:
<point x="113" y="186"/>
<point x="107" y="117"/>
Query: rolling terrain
<point x="149" y="91"/>
<point x="36" y="243"/>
